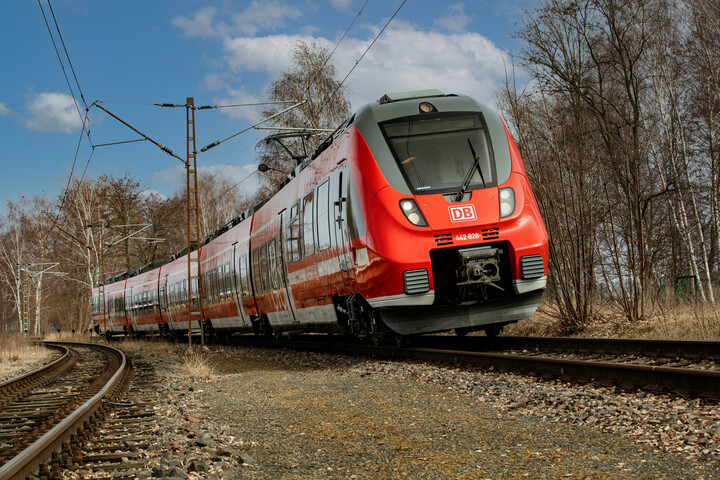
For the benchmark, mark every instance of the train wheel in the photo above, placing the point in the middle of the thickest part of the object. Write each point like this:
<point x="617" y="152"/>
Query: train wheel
<point x="493" y="330"/>
<point x="461" y="332"/>
<point x="209" y="332"/>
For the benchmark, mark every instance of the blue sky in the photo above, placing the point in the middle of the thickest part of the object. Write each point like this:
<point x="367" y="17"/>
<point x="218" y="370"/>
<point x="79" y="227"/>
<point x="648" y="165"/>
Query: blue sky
<point x="131" y="54"/>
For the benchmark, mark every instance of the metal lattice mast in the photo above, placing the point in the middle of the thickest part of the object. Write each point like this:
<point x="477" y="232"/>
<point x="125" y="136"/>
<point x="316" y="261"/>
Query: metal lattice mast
<point x="101" y="281"/>
<point x="193" y="226"/>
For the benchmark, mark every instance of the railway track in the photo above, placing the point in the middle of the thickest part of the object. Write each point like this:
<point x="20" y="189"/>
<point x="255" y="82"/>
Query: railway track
<point x="116" y="449"/>
<point x="46" y="414"/>
<point x="680" y="367"/>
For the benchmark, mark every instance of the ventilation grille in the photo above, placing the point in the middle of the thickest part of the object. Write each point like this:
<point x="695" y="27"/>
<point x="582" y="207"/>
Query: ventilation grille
<point x="444" y="239"/>
<point x="532" y="266"/>
<point x="490" y="233"/>
<point x="416" y="281"/>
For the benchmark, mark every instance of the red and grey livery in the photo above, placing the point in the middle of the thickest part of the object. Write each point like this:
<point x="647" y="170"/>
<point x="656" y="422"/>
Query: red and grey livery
<point x="416" y="216"/>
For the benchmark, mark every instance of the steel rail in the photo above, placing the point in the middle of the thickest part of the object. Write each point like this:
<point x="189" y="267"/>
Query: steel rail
<point x="23" y="464"/>
<point x="703" y="383"/>
<point x="690" y="349"/>
<point x="13" y="384"/>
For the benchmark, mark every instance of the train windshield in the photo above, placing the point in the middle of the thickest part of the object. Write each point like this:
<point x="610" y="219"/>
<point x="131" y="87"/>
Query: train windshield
<point x="438" y="153"/>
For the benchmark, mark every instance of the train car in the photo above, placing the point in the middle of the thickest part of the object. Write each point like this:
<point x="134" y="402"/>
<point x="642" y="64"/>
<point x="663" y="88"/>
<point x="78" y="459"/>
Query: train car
<point x="119" y="321"/>
<point x="173" y="281"/>
<point x="112" y="319"/>
<point x="416" y="216"/>
<point x="225" y="280"/>
<point x="142" y="300"/>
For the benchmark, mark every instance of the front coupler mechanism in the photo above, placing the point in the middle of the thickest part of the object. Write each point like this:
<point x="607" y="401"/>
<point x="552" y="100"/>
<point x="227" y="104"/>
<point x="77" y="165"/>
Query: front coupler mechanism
<point x="479" y="265"/>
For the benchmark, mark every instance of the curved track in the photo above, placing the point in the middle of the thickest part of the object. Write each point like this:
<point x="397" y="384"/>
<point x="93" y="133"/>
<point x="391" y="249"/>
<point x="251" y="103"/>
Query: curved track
<point x="43" y="413"/>
<point x="681" y="367"/>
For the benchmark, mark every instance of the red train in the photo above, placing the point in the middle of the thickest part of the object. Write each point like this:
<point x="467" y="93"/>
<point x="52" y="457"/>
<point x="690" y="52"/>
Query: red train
<point x="416" y="216"/>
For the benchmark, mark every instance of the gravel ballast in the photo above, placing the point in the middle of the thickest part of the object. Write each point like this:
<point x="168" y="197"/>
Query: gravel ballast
<point x="271" y="414"/>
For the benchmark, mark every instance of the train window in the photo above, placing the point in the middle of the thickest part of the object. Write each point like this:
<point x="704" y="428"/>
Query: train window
<point x="275" y="262"/>
<point x="244" y="280"/>
<point x="184" y="294"/>
<point x="280" y="270"/>
<point x="220" y="282"/>
<point x="210" y="286"/>
<point x="194" y="287"/>
<point x="323" y="225"/>
<point x="257" y="282"/>
<point x="229" y="285"/>
<point x="226" y="282"/>
<point x="307" y="225"/>
<point x="206" y="287"/>
<point x="292" y="244"/>
<point x="264" y="268"/>
<point x="235" y="272"/>
<point x="437" y="152"/>
<point x="212" y="289"/>
<point x="271" y="263"/>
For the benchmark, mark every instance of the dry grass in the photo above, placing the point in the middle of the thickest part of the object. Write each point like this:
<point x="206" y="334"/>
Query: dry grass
<point x="18" y="353"/>
<point x="197" y="367"/>
<point x="67" y="337"/>
<point x="685" y="321"/>
<point x="195" y="363"/>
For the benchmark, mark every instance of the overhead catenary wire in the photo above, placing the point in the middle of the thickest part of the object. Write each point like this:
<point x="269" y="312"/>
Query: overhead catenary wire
<point x="361" y="57"/>
<point x="67" y="55"/>
<point x="84" y="118"/>
<point x="62" y="64"/>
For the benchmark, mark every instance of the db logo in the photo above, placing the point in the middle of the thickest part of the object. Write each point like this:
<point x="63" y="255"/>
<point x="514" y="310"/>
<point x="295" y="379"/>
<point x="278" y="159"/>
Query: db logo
<point x="462" y="213"/>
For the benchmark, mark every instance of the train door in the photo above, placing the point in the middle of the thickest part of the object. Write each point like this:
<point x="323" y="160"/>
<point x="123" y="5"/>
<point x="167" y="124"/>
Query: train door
<point x="237" y="283"/>
<point x="285" y="290"/>
<point x="165" y="301"/>
<point x="130" y="304"/>
<point x="340" y="236"/>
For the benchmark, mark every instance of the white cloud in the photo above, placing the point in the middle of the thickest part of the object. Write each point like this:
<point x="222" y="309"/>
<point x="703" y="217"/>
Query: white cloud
<point x="240" y="96"/>
<point x="149" y="193"/>
<point x="201" y="24"/>
<point x="271" y="54"/>
<point x="403" y="58"/>
<point x="171" y="174"/>
<point x="4" y="110"/>
<point x="214" y="81"/>
<point x="267" y="15"/>
<point x="341" y="4"/>
<point x="259" y="15"/>
<point x="52" y="112"/>
<point x="456" y="21"/>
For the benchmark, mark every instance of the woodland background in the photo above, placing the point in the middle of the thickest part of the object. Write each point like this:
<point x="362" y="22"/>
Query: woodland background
<point x="614" y="104"/>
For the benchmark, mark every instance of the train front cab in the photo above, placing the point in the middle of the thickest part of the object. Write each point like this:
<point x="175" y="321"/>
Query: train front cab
<point x="461" y="244"/>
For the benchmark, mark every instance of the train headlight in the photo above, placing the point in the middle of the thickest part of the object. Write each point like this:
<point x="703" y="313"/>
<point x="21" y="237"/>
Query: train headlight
<point x="507" y="202"/>
<point x="412" y="212"/>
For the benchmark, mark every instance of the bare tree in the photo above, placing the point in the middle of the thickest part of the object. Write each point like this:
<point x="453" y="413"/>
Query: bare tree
<point x="301" y="130"/>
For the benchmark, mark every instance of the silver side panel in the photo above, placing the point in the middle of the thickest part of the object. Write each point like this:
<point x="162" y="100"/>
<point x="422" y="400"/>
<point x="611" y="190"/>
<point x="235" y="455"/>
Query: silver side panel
<point x="403" y="300"/>
<point x="428" y="319"/>
<point x="525" y="286"/>
<point x="319" y="315"/>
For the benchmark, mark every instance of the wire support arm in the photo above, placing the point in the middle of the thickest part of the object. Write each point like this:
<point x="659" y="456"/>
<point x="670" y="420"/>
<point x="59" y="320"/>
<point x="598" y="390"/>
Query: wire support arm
<point x="159" y="145"/>
<point x="216" y="143"/>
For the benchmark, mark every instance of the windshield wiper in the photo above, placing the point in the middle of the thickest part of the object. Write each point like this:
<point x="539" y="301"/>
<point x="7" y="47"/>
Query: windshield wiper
<point x="469" y="174"/>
